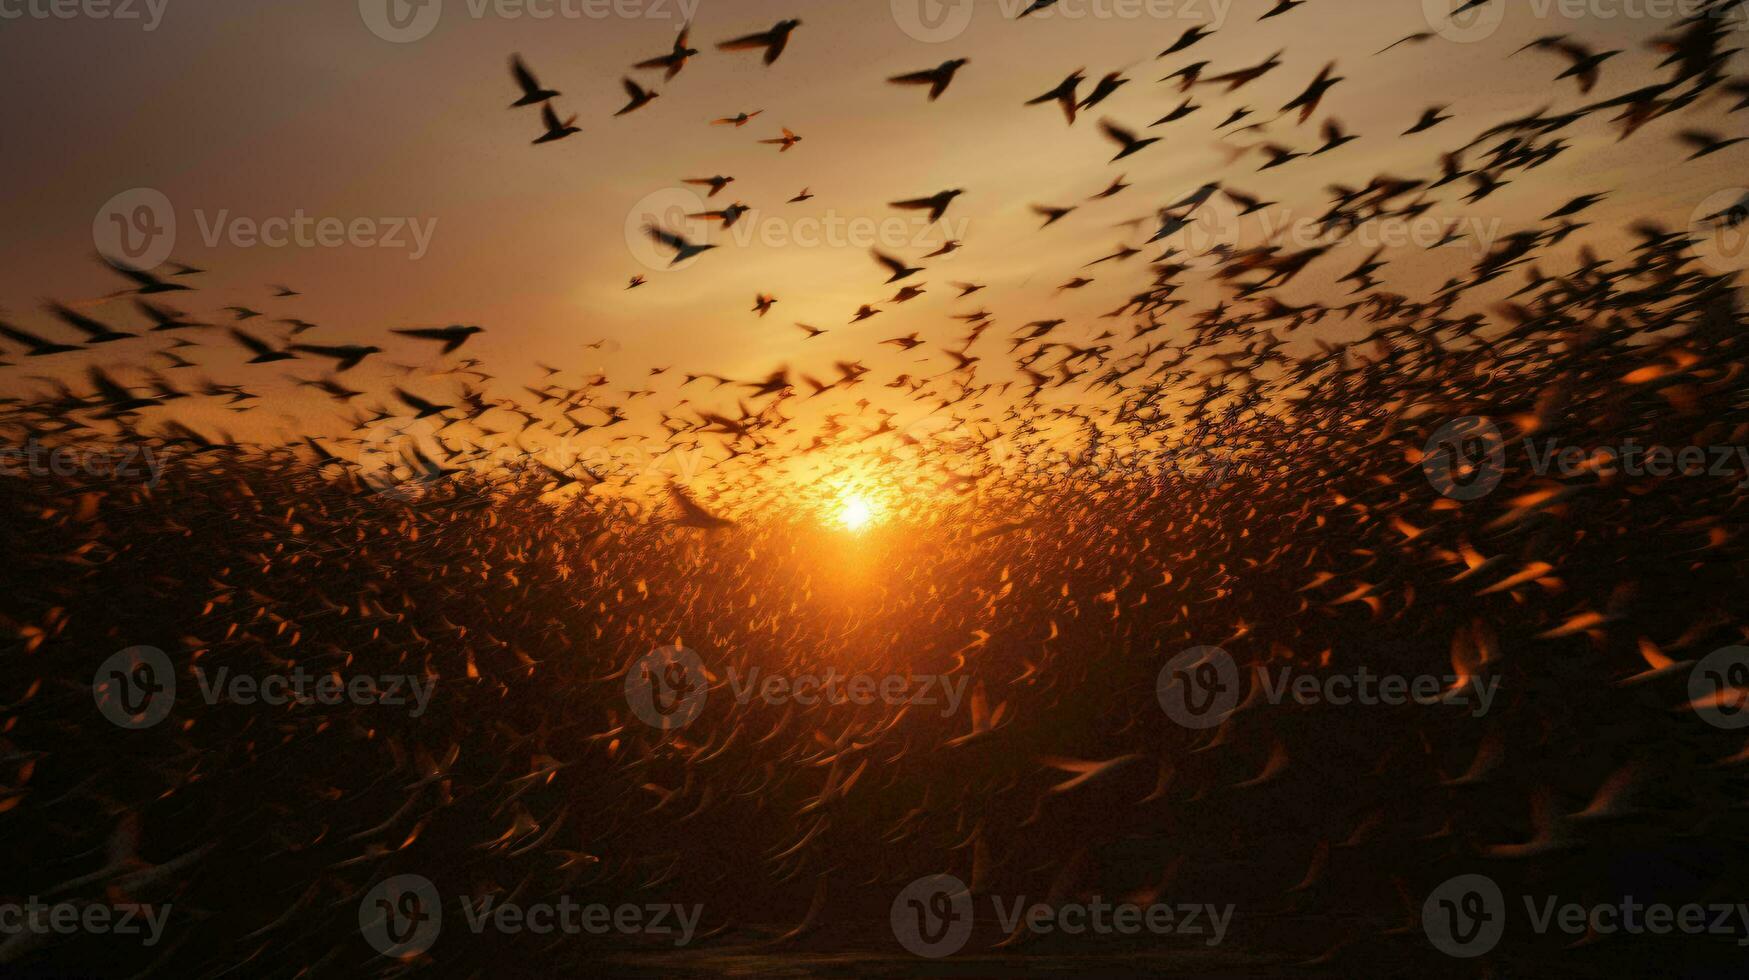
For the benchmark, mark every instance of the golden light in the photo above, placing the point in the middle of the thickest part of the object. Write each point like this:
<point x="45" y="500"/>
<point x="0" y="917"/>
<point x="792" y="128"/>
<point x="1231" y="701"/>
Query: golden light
<point x="854" y="513"/>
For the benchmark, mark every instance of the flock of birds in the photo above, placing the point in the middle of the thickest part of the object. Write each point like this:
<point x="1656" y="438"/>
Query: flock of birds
<point x="1069" y="514"/>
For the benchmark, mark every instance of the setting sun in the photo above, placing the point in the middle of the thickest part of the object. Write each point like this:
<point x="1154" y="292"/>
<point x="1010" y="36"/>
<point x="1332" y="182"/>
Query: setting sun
<point x="855" y="513"/>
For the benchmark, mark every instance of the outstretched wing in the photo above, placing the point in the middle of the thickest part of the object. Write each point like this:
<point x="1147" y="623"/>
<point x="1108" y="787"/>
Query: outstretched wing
<point x="747" y="43"/>
<point x="524" y="77"/>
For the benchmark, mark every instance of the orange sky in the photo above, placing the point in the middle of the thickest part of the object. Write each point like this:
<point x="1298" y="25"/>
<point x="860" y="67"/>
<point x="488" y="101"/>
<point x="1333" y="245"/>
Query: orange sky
<point x="264" y="109"/>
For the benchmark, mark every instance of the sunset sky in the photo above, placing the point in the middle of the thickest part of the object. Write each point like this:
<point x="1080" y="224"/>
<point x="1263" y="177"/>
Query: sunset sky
<point x="256" y="110"/>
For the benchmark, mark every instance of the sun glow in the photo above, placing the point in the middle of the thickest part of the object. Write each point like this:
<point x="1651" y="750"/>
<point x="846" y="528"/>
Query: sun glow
<point x="854" y="513"/>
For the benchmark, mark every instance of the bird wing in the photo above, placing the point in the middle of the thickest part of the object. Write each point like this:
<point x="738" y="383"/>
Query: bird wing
<point x="746" y="43"/>
<point x="667" y="238"/>
<point x="776" y="48"/>
<point x="892" y="264"/>
<point x="23" y="336"/>
<point x="524" y="77"/>
<point x="1117" y="133"/>
<point x="108" y="387"/>
<point x="916" y="78"/>
<point x="253" y="344"/>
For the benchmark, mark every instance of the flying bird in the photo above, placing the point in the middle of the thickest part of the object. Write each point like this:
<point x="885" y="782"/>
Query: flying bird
<point x="262" y="352"/>
<point x="451" y="337"/>
<point x="937" y="78"/>
<point x="1050" y="214"/>
<point x="1126" y="139"/>
<point x="683" y="249"/>
<point x="639" y="96"/>
<point x="899" y="269"/>
<point x="1431" y="117"/>
<point x="556" y="130"/>
<point x="936" y="204"/>
<point x="1307" y="101"/>
<point x="1707" y="143"/>
<point x="39" y="346"/>
<point x="1185" y="40"/>
<point x="1104" y="89"/>
<point x="784" y="142"/>
<point x="532" y="91"/>
<point x="716" y="183"/>
<point x="772" y="41"/>
<point x="95" y="331"/>
<point x="675" y="59"/>
<point x="738" y="120"/>
<point x="1064" y="95"/>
